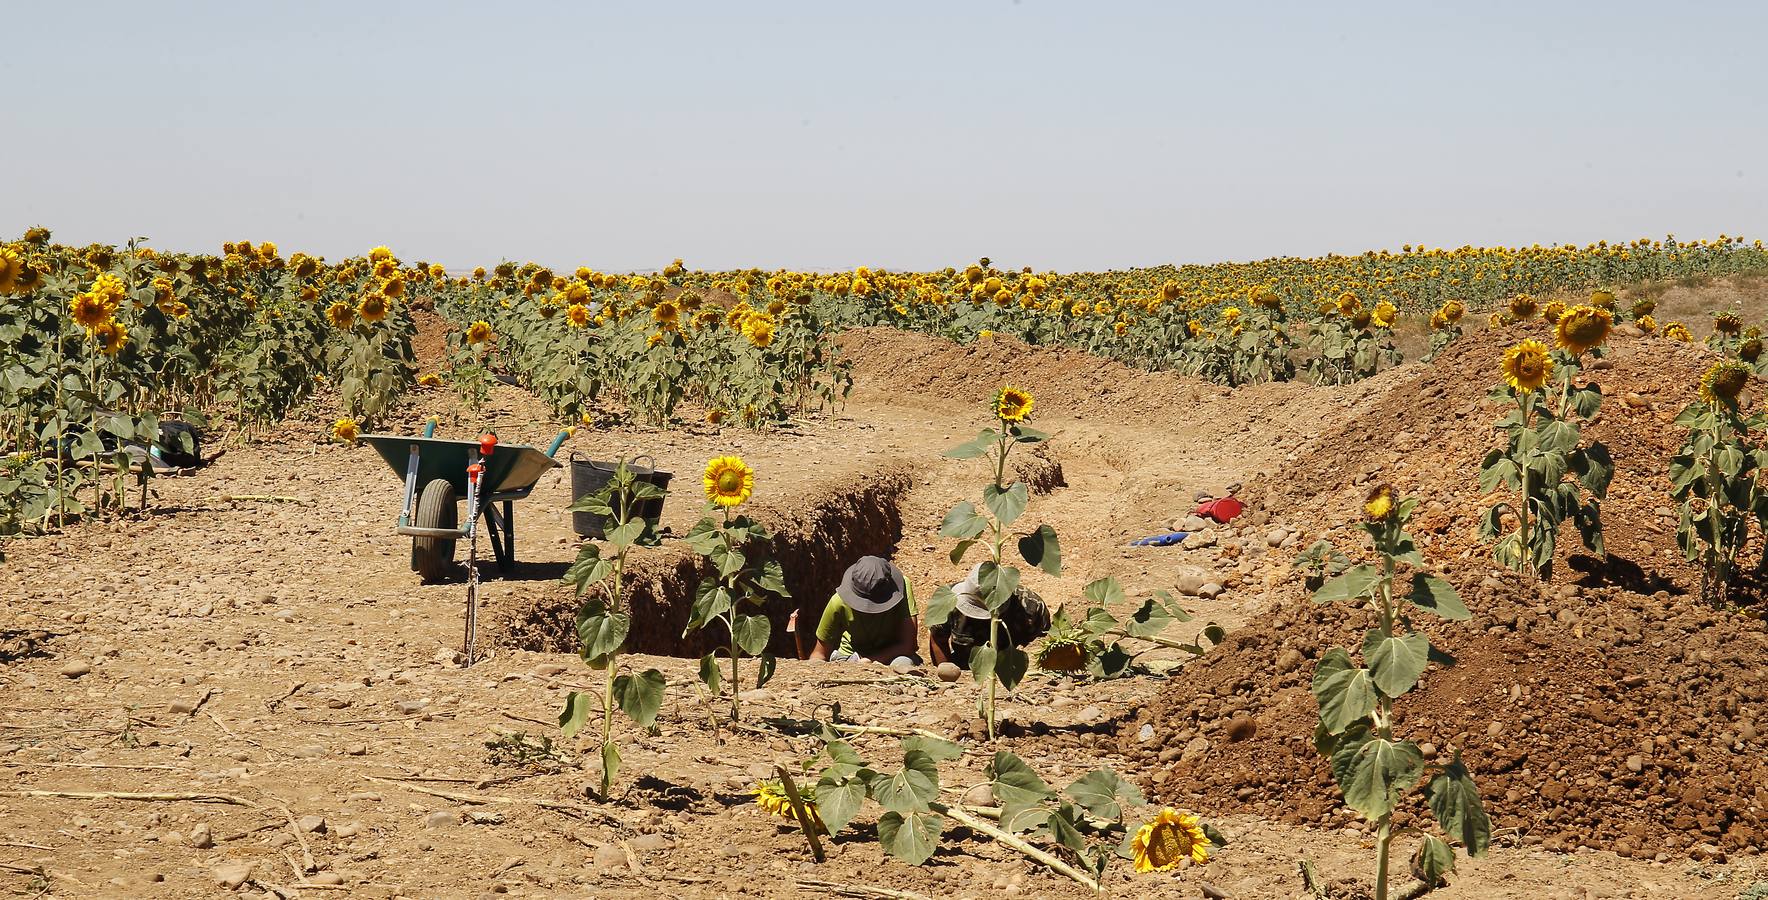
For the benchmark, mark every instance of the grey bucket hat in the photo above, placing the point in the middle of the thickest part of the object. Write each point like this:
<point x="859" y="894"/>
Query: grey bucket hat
<point x="969" y="593"/>
<point x="872" y="585"/>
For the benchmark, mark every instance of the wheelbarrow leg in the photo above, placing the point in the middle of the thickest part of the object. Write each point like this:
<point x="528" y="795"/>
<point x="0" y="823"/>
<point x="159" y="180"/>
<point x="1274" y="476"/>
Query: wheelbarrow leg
<point x="502" y="535"/>
<point x="509" y="531"/>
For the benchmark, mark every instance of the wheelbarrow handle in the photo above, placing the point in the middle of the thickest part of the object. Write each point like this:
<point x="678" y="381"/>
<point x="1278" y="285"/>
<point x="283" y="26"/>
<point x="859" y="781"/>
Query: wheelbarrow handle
<point x="430" y="428"/>
<point x="557" y="442"/>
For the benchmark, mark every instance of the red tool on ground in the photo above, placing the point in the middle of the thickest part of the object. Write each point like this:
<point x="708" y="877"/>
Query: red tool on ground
<point x="1221" y="509"/>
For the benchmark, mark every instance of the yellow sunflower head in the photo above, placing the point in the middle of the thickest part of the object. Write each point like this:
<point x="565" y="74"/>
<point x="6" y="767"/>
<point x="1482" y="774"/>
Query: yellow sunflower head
<point x="728" y="481"/>
<point x="1724" y="381"/>
<point x="1348" y="304"/>
<point x="1384" y="315"/>
<point x="340" y="314"/>
<point x="578" y="316"/>
<point x="430" y="379"/>
<point x="1552" y="311"/>
<point x="1454" y="310"/>
<point x="89" y="311"/>
<point x="1527" y="366"/>
<point x="665" y="313"/>
<point x="1643" y="307"/>
<point x="1172" y="837"/>
<point x="771" y="796"/>
<point x="1013" y="404"/>
<point x="1603" y="299"/>
<point x="1522" y="306"/>
<point x="1676" y="331"/>
<point x="1647" y="324"/>
<point x="111" y="337"/>
<point x="479" y="332"/>
<point x="760" y="330"/>
<point x="1379" y="506"/>
<point x="1750" y="350"/>
<point x="346" y="430"/>
<point x="373" y="307"/>
<point x="1727" y="322"/>
<point x="394" y="286"/>
<point x="1231" y="315"/>
<point x="1582" y="329"/>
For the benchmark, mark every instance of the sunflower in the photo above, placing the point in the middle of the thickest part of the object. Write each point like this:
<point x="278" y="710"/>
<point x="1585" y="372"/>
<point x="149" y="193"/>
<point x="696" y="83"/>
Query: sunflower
<point x="394" y="287"/>
<point x="1553" y="311"/>
<point x="1724" y="381"/>
<point x="89" y="311"/>
<point x="1522" y="306"/>
<point x="578" y="316"/>
<point x="1750" y="350"/>
<point x="479" y="332"/>
<point x="714" y="416"/>
<point x="1348" y="304"/>
<point x="1454" y="310"/>
<point x="1582" y="328"/>
<point x="1643" y="307"/>
<point x="1378" y="506"/>
<point x="1727" y="322"/>
<point x="1647" y="324"/>
<point x="1527" y="366"/>
<point x="12" y="270"/>
<point x="1013" y="404"/>
<point x="111" y="336"/>
<point x="1231" y="315"/>
<point x="1174" y="835"/>
<point x="760" y="330"/>
<point x="666" y="313"/>
<point x="346" y="430"/>
<point x="430" y="379"/>
<point x="1384" y="315"/>
<point x="373" y="307"/>
<point x="341" y="314"/>
<point x="380" y="253"/>
<point x="728" y="481"/>
<point x="1603" y="299"/>
<point x="771" y="796"/>
<point x="178" y="310"/>
<point x="1676" y="331"/>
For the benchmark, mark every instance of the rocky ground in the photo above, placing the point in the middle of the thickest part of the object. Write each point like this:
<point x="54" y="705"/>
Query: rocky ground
<point x="247" y="692"/>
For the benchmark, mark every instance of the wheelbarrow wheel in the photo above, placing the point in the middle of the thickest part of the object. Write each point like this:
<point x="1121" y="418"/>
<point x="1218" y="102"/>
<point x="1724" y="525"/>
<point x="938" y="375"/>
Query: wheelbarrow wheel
<point x="433" y="558"/>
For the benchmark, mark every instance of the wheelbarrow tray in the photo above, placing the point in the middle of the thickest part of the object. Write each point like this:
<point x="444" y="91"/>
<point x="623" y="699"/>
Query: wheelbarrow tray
<point x="512" y="468"/>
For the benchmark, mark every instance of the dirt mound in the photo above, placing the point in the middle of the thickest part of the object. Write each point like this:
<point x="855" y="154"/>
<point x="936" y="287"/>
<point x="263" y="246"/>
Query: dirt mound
<point x="1606" y="709"/>
<point x="817" y="535"/>
<point x="429" y="345"/>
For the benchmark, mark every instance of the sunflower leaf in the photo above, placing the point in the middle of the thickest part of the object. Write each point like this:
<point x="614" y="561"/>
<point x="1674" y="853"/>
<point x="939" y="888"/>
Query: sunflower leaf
<point x="941" y="606"/>
<point x="1014" y="782"/>
<point x="1343" y="691"/>
<point x="640" y="696"/>
<point x="1454" y="800"/>
<point x="1042" y="549"/>
<point x="575" y="713"/>
<point x="838" y="800"/>
<point x="911" y="789"/>
<point x="709" y="674"/>
<point x="1353" y="584"/>
<point x="1100" y="791"/>
<point x="911" y="839"/>
<point x="1395" y="661"/>
<point x="963" y="522"/>
<point x="976" y="446"/>
<point x="1433" y="860"/>
<point x="1373" y="774"/>
<point x="751" y="633"/>
<point x="1008" y="503"/>
<point x="1434" y="595"/>
<point x="1105" y="592"/>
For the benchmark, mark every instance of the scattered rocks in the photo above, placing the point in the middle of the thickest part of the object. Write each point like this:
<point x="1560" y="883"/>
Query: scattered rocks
<point x="949" y="672"/>
<point x="311" y="824"/>
<point x="1289" y="660"/>
<point x="200" y="836"/>
<point x="76" y="668"/>
<point x="611" y="856"/>
<point x="653" y="842"/>
<point x="232" y="875"/>
<point x="441" y="818"/>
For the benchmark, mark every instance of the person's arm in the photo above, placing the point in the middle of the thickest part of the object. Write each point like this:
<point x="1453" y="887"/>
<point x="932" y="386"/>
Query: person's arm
<point x="907" y="642"/>
<point x="939" y="645"/>
<point x="829" y="630"/>
<point x="821" y="651"/>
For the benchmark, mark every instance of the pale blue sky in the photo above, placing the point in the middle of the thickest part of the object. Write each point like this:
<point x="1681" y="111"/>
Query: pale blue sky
<point x="898" y="134"/>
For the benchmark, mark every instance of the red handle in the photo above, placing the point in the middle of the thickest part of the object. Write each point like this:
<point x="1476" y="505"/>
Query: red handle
<point x="487" y="443"/>
<point x="473" y="472"/>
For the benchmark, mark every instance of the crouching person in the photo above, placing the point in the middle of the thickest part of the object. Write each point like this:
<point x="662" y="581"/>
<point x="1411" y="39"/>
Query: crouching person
<point x="1023" y="619"/>
<point x="871" y="617"/>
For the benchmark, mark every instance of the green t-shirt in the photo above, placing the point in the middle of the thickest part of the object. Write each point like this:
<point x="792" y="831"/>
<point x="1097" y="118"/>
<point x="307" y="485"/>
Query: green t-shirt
<point x="864" y="633"/>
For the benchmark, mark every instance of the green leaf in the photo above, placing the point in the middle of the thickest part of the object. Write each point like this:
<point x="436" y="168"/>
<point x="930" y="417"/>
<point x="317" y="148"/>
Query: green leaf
<point x="1025" y="434"/>
<point x="963" y="522"/>
<point x="982" y="664"/>
<point x="940" y="606"/>
<point x="1343" y="691"/>
<point x="752" y="633"/>
<point x="625" y="535"/>
<point x="709" y="673"/>
<point x="640" y="696"/>
<point x="1098" y="621"/>
<point x="1353" y="583"/>
<point x="610" y="766"/>
<point x="1454" y="800"/>
<point x="1395" y="661"/>
<point x="911" y="789"/>
<point x="1151" y="619"/>
<point x="575" y="713"/>
<point x="958" y="551"/>
<point x="998" y="584"/>
<point x="773" y="579"/>
<point x="1435" y="595"/>
<point x="1013" y="782"/>
<point x="976" y="446"/>
<point x="765" y="672"/>
<point x="838" y="800"/>
<point x="1433" y="860"/>
<point x="937" y="749"/>
<point x="1007" y="504"/>
<point x="1041" y="549"/>
<point x="1373" y="774"/>
<point x="911" y="839"/>
<point x="1011" y="665"/>
<point x="1100" y="791"/>
<point x="728" y="560"/>
<point x="1064" y="826"/>
<point x="1105" y="592"/>
<point x="603" y="634"/>
<point x="844" y="761"/>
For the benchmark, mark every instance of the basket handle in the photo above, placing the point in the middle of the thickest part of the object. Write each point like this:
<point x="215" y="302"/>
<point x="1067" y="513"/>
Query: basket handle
<point x="644" y="456"/>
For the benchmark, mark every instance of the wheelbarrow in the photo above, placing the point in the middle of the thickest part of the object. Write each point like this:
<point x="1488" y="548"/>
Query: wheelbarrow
<point x="506" y="473"/>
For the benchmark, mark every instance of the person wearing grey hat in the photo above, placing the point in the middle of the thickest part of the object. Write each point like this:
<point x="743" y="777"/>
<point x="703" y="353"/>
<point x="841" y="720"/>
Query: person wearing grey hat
<point x="870" y="617"/>
<point x="1022" y="620"/>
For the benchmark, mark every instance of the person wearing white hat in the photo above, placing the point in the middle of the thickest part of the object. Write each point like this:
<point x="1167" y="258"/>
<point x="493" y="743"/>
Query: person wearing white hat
<point x="870" y="617"/>
<point x="1023" y="619"/>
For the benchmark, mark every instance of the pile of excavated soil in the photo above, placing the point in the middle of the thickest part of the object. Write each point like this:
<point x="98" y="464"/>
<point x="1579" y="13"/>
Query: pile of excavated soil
<point x="1607" y="708"/>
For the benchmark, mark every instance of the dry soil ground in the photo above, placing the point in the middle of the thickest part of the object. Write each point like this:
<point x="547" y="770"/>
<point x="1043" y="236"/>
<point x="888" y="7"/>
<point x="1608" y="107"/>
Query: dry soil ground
<point x="273" y="668"/>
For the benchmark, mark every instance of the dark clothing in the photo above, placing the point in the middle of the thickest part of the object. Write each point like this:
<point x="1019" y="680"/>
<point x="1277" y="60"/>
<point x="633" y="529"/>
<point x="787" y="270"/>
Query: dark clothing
<point x="1024" y="619"/>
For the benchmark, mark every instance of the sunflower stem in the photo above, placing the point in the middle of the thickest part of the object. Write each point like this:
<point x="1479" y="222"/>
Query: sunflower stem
<point x="1384" y="836"/>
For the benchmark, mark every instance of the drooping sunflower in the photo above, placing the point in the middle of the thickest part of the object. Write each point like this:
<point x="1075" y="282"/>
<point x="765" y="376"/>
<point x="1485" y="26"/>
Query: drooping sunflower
<point x="12" y="269"/>
<point x="340" y="314"/>
<point x="1646" y="323"/>
<point x="1676" y="331"/>
<point x="1013" y="404"/>
<point x="180" y="310"/>
<point x="1643" y="307"/>
<point x="1527" y="366"/>
<point x="430" y="379"/>
<point x="89" y="311"/>
<point x="1065" y="649"/>
<point x="111" y="337"/>
<point x="728" y="481"/>
<point x="578" y="316"/>
<point x="1727" y="322"/>
<point x="1724" y="381"/>
<point x="373" y="307"/>
<point x="1454" y="310"/>
<point x="1750" y="350"/>
<point x="479" y="332"/>
<point x="1582" y="329"/>
<point x="1522" y="306"/>
<point x="1553" y="311"/>
<point x="1378" y="505"/>
<point x="771" y="796"/>
<point x="1173" y="836"/>
<point x="346" y="430"/>
<point x="1348" y="304"/>
<point x="1603" y="299"/>
<point x="665" y="313"/>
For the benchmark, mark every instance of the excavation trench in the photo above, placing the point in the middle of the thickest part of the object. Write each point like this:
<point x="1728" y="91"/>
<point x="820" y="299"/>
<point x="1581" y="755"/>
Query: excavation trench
<point x="817" y="534"/>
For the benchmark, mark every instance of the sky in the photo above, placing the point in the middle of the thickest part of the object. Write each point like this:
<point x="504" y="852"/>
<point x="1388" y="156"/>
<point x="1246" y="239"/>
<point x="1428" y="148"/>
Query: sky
<point x="903" y="134"/>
